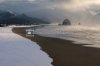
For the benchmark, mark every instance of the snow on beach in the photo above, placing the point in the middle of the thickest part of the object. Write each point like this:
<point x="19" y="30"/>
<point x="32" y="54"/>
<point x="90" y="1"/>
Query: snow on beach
<point x="18" y="51"/>
<point x="79" y="34"/>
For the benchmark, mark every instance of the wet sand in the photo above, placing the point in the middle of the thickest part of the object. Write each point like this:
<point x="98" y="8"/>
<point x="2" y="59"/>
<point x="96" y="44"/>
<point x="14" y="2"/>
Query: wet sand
<point x="64" y="52"/>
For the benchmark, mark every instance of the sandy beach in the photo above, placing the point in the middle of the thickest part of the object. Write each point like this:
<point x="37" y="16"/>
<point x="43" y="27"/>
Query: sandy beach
<point x="64" y="52"/>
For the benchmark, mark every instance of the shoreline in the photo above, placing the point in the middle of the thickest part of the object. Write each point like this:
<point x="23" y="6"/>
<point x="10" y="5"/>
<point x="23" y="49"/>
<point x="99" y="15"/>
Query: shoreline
<point x="16" y="50"/>
<point x="65" y="52"/>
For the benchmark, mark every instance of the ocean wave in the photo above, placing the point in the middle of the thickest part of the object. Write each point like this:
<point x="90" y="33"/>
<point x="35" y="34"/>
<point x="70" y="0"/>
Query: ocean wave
<point x="79" y="34"/>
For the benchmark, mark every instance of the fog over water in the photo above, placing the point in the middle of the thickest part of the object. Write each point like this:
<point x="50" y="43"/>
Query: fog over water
<point x="85" y="11"/>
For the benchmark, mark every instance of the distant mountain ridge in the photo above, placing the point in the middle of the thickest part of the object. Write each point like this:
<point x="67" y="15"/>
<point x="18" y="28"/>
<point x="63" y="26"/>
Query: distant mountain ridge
<point x="10" y="18"/>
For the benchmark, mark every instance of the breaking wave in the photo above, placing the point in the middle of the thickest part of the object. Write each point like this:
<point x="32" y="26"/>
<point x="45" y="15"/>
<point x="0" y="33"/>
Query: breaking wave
<point x="79" y="34"/>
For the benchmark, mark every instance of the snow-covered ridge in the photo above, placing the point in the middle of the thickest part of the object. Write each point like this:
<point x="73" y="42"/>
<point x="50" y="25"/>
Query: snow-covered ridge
<point x="18" y="51"/>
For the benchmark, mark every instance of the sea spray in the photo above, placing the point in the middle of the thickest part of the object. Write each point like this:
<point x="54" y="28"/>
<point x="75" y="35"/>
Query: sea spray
<point x="79" y="34"/>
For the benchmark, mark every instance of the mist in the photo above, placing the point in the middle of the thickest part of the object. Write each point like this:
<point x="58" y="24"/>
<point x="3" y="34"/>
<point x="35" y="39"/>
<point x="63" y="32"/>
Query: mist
<point x="86" y="12"/>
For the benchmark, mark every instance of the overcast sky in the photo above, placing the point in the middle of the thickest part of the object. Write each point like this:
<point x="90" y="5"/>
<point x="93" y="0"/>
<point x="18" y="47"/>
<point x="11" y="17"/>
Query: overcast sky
<point x="56" y="10"/>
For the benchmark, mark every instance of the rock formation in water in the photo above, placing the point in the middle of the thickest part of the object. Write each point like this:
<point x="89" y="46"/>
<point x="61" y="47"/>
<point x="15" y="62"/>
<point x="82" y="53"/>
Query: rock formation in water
<point x="66" y="22"/>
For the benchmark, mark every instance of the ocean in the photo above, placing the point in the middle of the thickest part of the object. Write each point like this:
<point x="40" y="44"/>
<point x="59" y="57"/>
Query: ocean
<point x="79" y="34"/>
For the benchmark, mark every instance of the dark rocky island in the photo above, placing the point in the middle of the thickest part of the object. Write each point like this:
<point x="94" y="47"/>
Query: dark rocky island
<point x="66" y="22"/>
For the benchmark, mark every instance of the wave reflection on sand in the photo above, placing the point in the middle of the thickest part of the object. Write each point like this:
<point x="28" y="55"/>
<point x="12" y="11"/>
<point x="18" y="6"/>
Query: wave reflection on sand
<point x="79" y="34"/>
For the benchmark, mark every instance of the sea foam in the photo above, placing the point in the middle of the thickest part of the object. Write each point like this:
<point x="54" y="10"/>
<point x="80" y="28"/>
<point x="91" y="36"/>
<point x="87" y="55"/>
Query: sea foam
<point x="79" y="34"/>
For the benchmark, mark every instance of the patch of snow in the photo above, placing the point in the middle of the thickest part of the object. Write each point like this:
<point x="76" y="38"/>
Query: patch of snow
<point x="18" y="51"/>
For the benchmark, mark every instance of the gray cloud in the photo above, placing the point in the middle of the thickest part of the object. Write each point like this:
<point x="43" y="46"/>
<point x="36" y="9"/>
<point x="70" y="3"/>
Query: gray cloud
<point x="56" y="10"/>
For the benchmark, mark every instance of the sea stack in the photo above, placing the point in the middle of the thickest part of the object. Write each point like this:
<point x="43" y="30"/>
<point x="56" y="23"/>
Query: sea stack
<point x="66" y="22"/>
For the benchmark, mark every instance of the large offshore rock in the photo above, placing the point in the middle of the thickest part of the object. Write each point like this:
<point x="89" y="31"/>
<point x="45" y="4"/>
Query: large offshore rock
<point x="66" y="22"/>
